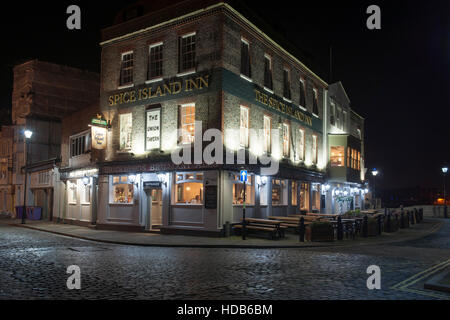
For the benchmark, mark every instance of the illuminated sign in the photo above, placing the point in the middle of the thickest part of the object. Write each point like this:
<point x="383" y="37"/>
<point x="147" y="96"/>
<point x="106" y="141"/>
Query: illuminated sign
<point x="101" y="122"/>
<point x="98" y="137"/>
<point x="153" y="129"/>
<point x="82" y="173"/>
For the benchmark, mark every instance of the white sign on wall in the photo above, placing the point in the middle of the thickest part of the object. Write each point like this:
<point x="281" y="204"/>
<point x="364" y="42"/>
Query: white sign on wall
<point x="153" y="129"/>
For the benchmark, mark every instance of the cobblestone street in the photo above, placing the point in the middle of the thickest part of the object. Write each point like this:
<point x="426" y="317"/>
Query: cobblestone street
<point x="33" y="266"/>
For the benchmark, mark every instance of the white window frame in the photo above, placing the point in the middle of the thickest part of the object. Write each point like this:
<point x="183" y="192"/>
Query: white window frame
<point x="129" y="85"/>
<point x="286" y="138"/>
<point x="192" y="137"/>
<point x="244" y="130"/>
<point x="236" y="180"/>
<point x="271" y="72"/>
<point x="87" y="143"/>
<point x="301" y="146"/>
<point x="184" y="180"/>
<point x="111" y="188"/>
<point x="267" y="142"/>
<point x="193" y="70"/>
<point x="289" y="82"/>
<point x="315" y="153"/>
<point x="120" y="132"/>
<point x="153" y="45"/>
<point x="73" y="187"/>
<point x="316" y="98"/>
<point x="243" y="76"/>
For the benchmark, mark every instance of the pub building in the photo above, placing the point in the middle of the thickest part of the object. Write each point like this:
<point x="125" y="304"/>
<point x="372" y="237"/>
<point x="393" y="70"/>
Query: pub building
<point x="202" y="61"/>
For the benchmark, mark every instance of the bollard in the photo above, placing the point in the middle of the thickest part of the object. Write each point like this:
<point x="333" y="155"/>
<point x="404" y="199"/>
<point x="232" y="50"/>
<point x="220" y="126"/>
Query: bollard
<point x="227" y="228"/>
<point x="365" y="226"/>
<point x="380" y="225"/>
<point x="402" y="220"/>
<point x="301" y="230"/>
<point x="340" y="229"/>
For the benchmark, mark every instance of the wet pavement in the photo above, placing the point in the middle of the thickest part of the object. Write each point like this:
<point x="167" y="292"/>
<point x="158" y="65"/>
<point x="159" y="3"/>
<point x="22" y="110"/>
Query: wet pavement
<point x="33" y="266"/>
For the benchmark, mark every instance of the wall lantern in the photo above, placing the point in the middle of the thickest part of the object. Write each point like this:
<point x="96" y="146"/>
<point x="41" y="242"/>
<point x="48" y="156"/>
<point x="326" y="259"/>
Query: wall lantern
<point x="132" y="178"/>
<point x="162" y="178"/>
<point x="85" y="180"/>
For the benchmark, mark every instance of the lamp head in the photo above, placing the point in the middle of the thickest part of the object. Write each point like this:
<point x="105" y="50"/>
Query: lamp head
<point x="444" y="170"/>
<point x="85" y="180"/>
<point x="28" y="134"/>
<point x="132" y="178"/>
<point x="374" y="172"/>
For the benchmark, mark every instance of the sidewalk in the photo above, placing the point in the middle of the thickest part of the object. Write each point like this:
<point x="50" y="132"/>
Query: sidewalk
<point x="428" y="226"/>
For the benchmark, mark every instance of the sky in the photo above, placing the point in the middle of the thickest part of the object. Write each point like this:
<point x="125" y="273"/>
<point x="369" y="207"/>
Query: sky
<point x="397" y="78"/>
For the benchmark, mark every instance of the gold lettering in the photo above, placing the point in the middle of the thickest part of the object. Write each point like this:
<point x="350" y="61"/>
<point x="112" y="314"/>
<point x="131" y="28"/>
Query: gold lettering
<point x="144" y="93"/>
<point x="203" y="81"/>
<point x="176" y="87"/>
<point x="111" y="101"/>
<point x="167" y="89"/>
<point x="125" y="95"/>
<point x="133" y="96"/>
<point x="159" y="91"/>
<point x="150" y="91"/>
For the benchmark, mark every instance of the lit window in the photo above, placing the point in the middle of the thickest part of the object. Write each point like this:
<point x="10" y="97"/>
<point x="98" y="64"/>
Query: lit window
<point x="294" y="193"/>
<point x="349" y="157"/>
<point x="72" y="187"/>
<point x="278" y="191"/>
<point x="126" y="70"/>
<point x="268" y="72"/>
<point x="238" y="190"/>
<point x="285" y="140"/>
<point x="186" y="53"/>
<point x="243" y="133"/>
<point x="155" y="61"/>
<point x="302" y="101"/>
<point x="245" y="59"/>
<point x="315" y="102"/>
<point x="301" y="145"/>
<point x="267" y="134"/>
<point x="126" y="129"/>
<point x="304" y="196"/>
<point x="189" y="188"/>
<point x="122" y="190"/>
<point x="337" y="156"/>
<point x="187" y="121"/>
<point x="314" y="149"/>
<point x="359" y="160"/>
<point x="286" y="84"/>
<point x="315" y="203"/>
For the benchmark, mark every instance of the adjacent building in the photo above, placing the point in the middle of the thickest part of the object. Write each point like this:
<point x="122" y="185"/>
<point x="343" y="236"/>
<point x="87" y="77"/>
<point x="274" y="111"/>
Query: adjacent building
<point x="6" y="166"/>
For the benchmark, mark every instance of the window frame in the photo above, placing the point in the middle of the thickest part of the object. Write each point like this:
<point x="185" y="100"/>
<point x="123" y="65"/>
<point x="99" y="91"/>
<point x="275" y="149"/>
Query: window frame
<point x="246" y="129"/>
<point x="112" y="184"/>
<point x="315" y="151"/>
<point x="251" y="184"/>
<point x="286" y="154"/>
<point x="157" y="77"/>
<point x="315" y="102"/>
<point x="182" y="125"/>
<point x="122" y="83"/>
<point x="267" y="149"/>
<point x="270" y="76"/>
<point x="126" y="149"/>
<point x="182" y="71"/>
<point x="301" y="157"/>
<point x="82" y="147"/>
<point x="248" y="76"/>
<point x="302" y="94"/>
<point x="183" y="181"/>
<point x="287" y="92"/>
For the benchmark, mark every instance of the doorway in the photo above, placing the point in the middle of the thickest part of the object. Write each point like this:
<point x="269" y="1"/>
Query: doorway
<point x="155" y="208"/>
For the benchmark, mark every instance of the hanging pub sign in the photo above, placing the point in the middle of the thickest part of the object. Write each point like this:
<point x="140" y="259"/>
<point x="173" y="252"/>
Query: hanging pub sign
<point x="153" y="129"/>
<point x="98" y="132"/>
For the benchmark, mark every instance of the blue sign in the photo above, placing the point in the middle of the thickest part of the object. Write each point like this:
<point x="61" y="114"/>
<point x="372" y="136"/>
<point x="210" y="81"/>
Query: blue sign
<point x="244" y="175"/>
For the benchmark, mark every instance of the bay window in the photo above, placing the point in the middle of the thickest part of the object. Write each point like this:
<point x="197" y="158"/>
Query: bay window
<point x="337" y="156"/>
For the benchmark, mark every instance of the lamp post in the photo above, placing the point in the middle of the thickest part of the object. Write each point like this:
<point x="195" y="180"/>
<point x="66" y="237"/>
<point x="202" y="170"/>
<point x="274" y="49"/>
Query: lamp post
<point x="444" y="171"/>
<point x="374" y="174"/>
<point x="27" y="134"/>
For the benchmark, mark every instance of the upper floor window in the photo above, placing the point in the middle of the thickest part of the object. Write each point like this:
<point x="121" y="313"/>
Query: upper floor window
<point x="302" y="101"/>
<point x="344" y="120"/>
<point x="286" y="84"/>
<point x="267" y="133"/>
<point x="80" y="144"/>
<point x="301" y="144"/>
<point x="359" y="132"/>
<point x="243" y="127"/>
<point x="186" y="53"/>
<point x="245" y="59"/>
<point x="315" y="102"/>
<point x="314" y="149"/>
<point x="285" y="140"/>
<point x="155" y="61"/>
<point x="268" y="84"/>
<point x="337" y="157"/>
<point x="126" y="69"/>
<point x="187" y="123"/>
<point x="126" y="131"/>
<point x="332" y="114"/>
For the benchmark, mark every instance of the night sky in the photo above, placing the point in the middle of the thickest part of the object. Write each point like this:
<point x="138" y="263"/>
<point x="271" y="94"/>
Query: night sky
<point x="397" y="77"/>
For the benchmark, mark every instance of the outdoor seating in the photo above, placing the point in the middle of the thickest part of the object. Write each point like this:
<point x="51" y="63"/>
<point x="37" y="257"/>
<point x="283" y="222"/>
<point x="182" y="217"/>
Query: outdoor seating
<point x="271" y="227"/>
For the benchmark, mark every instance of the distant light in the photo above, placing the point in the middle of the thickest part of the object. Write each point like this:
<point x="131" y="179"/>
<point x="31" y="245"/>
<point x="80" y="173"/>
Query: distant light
<point x="374" y="172"/>
<point x="28" y="134"/>
<point x="444" y="169"/>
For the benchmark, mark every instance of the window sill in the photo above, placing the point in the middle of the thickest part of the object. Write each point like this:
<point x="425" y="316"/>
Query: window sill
<point x="186" y="73"/>
<point x="243" y="76"/>
<point x="73" y="203"/>
<point x="287" y="100"/>
<point x="154" y="80"/>
<point x="268" y="90"/>
<point x="123" y="151"/>
<point x="121" y="204"/>
<point x="303" y="108"/>
<point x="125" y="86"/>
<point x="315" y="115"/>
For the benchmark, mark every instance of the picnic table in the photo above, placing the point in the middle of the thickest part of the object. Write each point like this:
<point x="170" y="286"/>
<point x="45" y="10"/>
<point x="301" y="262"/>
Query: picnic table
<point x="291" y="222"/>
<point x="273" y="227"/>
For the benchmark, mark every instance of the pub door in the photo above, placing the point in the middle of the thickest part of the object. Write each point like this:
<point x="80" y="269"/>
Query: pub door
<point x="154" y="196"/>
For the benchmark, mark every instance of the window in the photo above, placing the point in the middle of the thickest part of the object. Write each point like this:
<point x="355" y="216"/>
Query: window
<point x="315" y="205"/>
<point x="186" y="53"/>
<point x="332" y="114"/>
<point x="314" y="149"/>
<point x="337" y="156"/>
<point x="155" y="61"/>
<point x="359" y="161"/>
<point x="80" y="144"/>
<point x="238" y="190"/>
<point x="344" y="120"/>
<point x="285" y="140"/>
<point x="189" y="188"/>
<point x="72" y="194"/>
<point x="122" y="190"/>
<point x="286" y="84"/>
<point x="267" y="133"/>
<point x="268" y="84"/>
<point x="243" y="133"/>
<point x="294" y="193"/>
<point x="359" y="133"/>
<point x="302" y="101"/>
<point x="301" y="145"/>
<point x="126" y="131"/>
<point x="187" y="123"/>
<point x="315" y="102"/>
<point x="87" y="194"/>
<point x="349" y="157"/>
<point x="126" y="69"/>
<point x="245" y="59"/>
<point x="278" y="191"/>
<point x="338" y="117"/>
<point x="304" y="196"/>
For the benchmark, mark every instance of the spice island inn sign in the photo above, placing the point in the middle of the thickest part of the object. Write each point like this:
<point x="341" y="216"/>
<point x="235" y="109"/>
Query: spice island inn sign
<point x="217" y="79"/>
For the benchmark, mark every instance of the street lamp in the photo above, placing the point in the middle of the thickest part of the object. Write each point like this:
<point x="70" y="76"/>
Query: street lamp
<point x="27" y="134"/>
<point x="444" y="171"/>
<point x="374" y="174"/>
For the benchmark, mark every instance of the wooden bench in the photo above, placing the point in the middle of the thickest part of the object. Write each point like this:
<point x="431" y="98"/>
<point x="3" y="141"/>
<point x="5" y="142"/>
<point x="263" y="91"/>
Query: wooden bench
<point x="290" y="222"/>
<point x="272" y="227"/>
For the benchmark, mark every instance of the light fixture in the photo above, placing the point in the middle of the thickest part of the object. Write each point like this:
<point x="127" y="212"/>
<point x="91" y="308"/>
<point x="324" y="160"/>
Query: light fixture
<point x="374" y="172"/>
<point x="444" y="170"/>
<point x="132" y="178"/>
<point x="28" y="134"/>
<point x="162" y="178"/>
<point x="366" y="190"/>
<point x="85" y="180"/>
<point x="345" y="193"/>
